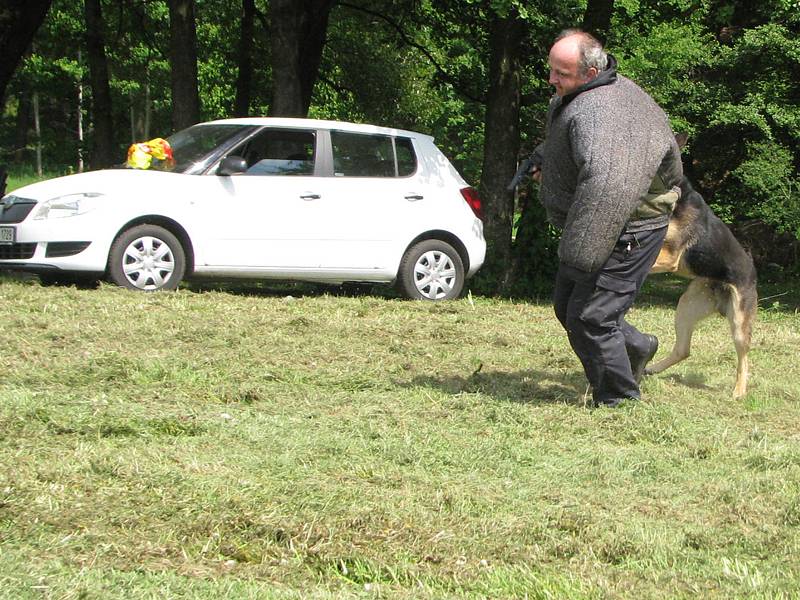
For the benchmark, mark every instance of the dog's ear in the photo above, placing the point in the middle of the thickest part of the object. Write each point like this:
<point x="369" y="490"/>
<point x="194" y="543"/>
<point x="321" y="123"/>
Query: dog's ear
<point x="681" y="138"/>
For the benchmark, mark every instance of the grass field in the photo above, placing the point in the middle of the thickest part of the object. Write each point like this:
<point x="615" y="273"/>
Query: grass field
<point x="257" y="443"/>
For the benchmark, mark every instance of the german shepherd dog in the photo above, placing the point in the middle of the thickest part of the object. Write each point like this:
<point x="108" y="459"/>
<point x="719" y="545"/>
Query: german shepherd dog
<point x="700" y="247"/>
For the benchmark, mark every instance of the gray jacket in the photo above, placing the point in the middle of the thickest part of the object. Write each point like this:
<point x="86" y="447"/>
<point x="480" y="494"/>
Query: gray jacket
<point x="608" y="158"/>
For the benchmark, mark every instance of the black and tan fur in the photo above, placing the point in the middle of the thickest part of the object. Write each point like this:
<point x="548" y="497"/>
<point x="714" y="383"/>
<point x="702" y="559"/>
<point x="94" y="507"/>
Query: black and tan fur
<point x="700" y="247"/>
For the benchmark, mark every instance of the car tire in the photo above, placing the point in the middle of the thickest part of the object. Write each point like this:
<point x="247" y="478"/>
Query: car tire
<point x="431" y="270"/>
<point x="147" y="258"/>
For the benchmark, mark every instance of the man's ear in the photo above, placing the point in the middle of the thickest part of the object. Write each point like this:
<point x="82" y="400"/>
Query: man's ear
<point x="681" y="138"/>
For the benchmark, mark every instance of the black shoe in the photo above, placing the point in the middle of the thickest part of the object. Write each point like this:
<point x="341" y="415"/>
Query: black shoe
<point x="639" y="361"/>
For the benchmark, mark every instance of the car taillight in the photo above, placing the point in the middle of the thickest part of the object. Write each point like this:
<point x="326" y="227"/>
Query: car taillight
<point x="471" y="197"/>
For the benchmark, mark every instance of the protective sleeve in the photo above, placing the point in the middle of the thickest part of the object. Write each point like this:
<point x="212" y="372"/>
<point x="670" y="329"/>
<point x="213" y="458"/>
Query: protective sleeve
<point x="617" y="159"/>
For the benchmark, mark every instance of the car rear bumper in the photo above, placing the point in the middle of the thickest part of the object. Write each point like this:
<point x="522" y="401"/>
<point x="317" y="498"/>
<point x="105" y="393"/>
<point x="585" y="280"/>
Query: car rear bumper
<point x="476" y="247"/>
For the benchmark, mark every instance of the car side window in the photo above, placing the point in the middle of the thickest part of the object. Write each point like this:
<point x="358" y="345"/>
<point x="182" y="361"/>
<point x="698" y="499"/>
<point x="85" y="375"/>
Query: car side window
<point x="279" y="152"/>
<point x="362" y="155"/>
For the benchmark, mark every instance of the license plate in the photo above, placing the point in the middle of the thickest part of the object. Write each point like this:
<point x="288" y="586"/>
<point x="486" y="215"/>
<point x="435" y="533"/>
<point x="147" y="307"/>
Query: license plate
<point x="7" y="235"/>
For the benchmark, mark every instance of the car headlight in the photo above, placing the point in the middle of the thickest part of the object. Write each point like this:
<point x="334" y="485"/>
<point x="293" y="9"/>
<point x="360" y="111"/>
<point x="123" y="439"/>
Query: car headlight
<point x="70" y="205"/>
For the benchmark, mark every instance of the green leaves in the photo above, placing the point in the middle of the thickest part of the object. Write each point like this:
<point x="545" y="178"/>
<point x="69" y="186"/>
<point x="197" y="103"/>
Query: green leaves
<point x="768" y="174"/>
<point x="732" y="81"/>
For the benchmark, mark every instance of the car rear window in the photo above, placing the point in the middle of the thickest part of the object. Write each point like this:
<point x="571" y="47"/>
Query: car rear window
<point x="366" y="155"/>
<point x="406" y="159"/>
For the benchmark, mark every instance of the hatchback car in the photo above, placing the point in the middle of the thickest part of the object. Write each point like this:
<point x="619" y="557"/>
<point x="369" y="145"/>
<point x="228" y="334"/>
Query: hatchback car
<point x="291" y="199"/>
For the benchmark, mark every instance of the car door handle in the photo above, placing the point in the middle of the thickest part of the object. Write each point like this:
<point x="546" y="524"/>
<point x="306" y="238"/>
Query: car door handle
<point x="310" y="196"/>
<point x="414" y="197"/>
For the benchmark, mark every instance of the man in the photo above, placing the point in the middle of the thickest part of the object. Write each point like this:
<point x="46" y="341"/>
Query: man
<point x="610" y="171"/>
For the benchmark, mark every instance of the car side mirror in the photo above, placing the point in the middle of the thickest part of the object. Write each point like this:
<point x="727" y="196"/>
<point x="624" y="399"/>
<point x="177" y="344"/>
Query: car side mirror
<point x="232" y="165"/>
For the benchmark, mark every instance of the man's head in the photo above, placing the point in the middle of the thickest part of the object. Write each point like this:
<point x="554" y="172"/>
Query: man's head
<point x="575" y="59"/>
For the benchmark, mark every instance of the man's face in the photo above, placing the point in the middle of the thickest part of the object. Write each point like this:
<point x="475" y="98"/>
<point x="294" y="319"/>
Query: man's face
<point x="565" y="73"/>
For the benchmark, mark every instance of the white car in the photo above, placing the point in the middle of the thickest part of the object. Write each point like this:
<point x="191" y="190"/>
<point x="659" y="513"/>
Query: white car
<point x="291" y="199"/>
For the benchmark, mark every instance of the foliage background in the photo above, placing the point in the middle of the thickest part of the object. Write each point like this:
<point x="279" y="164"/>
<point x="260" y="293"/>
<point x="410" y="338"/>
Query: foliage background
<point x="726" y="71"/>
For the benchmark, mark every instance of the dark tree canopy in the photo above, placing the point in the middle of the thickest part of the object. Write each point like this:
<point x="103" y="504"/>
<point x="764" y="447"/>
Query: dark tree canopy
<point x="19" y="21"/>
<point x="597" y="18"/>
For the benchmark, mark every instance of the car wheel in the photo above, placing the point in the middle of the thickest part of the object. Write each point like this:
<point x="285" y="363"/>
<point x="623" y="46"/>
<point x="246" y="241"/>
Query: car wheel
<point x="431" y="270"/>
<point x="148" y="258"/>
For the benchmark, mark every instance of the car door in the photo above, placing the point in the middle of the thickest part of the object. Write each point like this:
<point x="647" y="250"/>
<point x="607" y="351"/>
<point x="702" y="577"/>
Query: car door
<point x="258" y="219"/>
<point x="371" y="203"/>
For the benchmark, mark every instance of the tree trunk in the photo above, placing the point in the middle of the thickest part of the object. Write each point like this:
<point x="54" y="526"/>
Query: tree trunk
<point x="285" y="40"/>
<point x="37" y="131"/>
<point x="148" y="111"/>
<point x="19" y="21"/>
<point x="597" y="18"/>
<point x="241" y="105"/>
<point x="183" y="60"/>
<point x="298" y="34"/>
<point x="535" y="247"/>
<point x="315" y="31"/>
<point x="102" y="148"/>
<point x="501" y="146"/>
<point x="22" y="127"/>
<point x="80" y="120"/>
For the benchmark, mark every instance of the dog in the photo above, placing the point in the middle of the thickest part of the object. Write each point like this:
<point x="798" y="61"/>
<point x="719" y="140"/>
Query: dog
<point x="700" y="247"/>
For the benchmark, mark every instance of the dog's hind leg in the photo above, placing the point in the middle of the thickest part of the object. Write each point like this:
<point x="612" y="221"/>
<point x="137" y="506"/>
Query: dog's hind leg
<point x="696" y="303"/>
<point x="740" y="311"/>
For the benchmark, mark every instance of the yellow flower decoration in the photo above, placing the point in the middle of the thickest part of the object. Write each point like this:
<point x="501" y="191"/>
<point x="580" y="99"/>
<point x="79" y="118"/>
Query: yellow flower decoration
<point x="141" y="155"/>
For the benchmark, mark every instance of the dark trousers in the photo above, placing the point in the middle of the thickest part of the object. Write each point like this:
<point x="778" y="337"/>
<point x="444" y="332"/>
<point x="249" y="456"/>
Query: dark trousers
<point x="592" y="308"/>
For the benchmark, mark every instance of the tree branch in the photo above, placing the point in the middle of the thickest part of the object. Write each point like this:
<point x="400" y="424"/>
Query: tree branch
<point x="425" y="52"/>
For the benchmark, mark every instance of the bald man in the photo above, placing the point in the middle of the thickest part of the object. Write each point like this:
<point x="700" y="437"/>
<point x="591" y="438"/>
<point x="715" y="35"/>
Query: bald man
<point x="610" y="172"/>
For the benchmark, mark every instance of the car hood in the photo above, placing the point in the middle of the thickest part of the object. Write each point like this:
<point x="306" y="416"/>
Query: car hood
<point x="105" y="181"/>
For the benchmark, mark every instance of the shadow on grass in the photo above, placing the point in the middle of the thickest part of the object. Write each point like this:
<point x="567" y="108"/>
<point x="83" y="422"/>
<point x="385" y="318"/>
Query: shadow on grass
<point x="276" y="288"/>
<point x="539" y="387"/>
<point x="659" y="290"/>
<point x="525" y="387"/>
<point x="696" y="381"/>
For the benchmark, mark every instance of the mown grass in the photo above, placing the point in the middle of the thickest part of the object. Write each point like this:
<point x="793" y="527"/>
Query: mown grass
<point x="254" y="444"/>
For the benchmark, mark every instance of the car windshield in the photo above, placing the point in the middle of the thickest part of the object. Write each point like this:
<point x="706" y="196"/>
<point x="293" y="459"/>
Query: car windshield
<point x="193" y="145"/>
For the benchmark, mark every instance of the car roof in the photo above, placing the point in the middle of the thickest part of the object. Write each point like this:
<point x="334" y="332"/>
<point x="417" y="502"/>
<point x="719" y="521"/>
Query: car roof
<point x="318" y="124"/>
